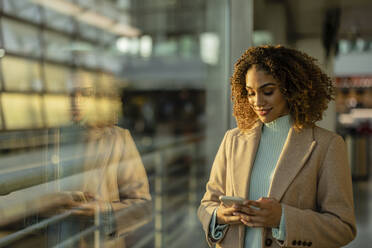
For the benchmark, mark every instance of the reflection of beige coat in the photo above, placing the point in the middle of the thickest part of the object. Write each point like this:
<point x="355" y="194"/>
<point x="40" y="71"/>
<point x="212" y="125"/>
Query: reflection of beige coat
<point x="312" y="181"/>
<point x="114" y="172"/>
<point x="109" y="167"/>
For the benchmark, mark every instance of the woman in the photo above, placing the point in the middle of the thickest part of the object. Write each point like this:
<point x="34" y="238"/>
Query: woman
<point x="293" y="174"/>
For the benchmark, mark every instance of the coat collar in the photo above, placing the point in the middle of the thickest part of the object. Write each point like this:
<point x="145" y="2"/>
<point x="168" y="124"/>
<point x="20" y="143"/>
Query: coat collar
<point x="296" y="151"/>
<point x="244" y="149"/>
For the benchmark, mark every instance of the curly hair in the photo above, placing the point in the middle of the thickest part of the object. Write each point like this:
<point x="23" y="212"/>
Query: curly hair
<point x="306" y="88"/>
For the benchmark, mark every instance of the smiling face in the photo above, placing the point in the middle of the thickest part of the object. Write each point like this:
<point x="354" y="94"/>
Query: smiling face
<point x="264" y="95"/>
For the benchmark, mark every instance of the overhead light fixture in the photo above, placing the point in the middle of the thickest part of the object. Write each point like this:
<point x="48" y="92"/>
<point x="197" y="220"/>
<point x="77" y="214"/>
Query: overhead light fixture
<point x="123" y="44"/>
<point x="2" y="52"/>
<point x="146" y="46"/>
<point x="209" y="48"/>
<point x="90" y="17"/>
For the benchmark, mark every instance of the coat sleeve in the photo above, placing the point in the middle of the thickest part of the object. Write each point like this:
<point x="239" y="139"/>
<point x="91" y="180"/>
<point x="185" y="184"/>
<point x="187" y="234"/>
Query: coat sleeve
<point x="333" y="222"/>
<point x="134" y="208"/>
<point x="215" y="187"/>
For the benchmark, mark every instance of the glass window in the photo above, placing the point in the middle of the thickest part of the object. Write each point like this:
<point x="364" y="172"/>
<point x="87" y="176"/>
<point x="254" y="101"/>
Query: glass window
<point x="89" y="110"/>
<point x="108" y="109"/>
<point x="85" y="54"/>
<point x="88" y="31"/>
<point x="21" y="74"/>
<point x="106" y="83"/>
<point x="58" y="21"/>
<point x="24" y="9"/>
<point x="83" y="79"/>
<point x="21" y="38"/>
<point x="56" y="77"/>
<point x="22" y="111"/>
<point x="1" y="120"/>
<point x="120" y="121"/>
<point x="57" y="47"/>
<point x="57" y="110"/>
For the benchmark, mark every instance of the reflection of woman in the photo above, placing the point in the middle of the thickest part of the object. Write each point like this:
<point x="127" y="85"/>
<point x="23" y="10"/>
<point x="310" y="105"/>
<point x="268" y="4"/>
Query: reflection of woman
<point x="293" y="174"/>
<point x="111" y="180"/>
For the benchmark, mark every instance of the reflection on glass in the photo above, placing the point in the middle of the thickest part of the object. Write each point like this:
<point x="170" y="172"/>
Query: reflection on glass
<point x="108" y="109"/>
<point x="58" y="21"/>
<point x="88" y="31"/>
<point x="112" y="183"/>
<point x="84" y="78"/>
<point x="105" y="82"/>
<point x="58" y="47"/>
<point x="56" y="77"/>
<point x="23" y="9"/>
<point x="21" y="74"/>
<point x="20" y="38"/>
<point x="21" y="111"/>
<point x="1" y="119"/>
<point x="57" y="110"/>
<point x="85" y="54"/>
<point x="90" y="162"/>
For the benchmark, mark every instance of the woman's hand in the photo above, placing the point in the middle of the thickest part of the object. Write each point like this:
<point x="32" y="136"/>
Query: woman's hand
<point x="77" y="203"/>
<point x="267" y="213"/>
<point x="225" y="214"/>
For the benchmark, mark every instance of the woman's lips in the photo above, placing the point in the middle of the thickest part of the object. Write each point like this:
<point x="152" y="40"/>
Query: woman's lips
<point x="263" y="112"/>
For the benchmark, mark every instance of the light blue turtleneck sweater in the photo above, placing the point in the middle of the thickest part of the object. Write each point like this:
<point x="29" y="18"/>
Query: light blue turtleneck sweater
<point x="273" y="137"/>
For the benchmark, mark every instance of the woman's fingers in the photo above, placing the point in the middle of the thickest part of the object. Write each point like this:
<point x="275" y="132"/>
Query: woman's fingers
<point x="232" y="219"/>
<point x="266" y="212"/>
<point x="249" y="210"/>
<point x="225" y="215"/>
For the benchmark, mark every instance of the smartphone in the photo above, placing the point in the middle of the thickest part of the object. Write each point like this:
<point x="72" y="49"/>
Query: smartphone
<point x="231" y="200"/>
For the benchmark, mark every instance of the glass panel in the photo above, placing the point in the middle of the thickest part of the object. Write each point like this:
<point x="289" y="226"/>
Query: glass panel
<point x="57" y="77"/>
<point x="83" y="79"/>
<point x="1" y="120"/>
<point x="58" y="21"/>
<point x="22" y="111"/>
<point x="89" y="111"/>
<point x="106" y="83"/>
<point x="88" y="31"/>
<point x="21" y="74"/>
<point x="57" y="47"/>
<point x="57" y="110"/>
<point x="85" y="54"/>
<point x="21" y="38"/>
<point x="108" y="109"/>
<point x="23" y="9"/>
<point x="125" y="125"/>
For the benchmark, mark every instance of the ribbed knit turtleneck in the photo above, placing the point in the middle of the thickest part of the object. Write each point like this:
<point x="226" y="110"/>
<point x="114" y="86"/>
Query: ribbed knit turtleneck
<point x="273" y="137"/>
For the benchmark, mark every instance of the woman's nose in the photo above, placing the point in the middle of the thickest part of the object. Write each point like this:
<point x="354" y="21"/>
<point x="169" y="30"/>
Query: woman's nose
<point x="259" y="100"/>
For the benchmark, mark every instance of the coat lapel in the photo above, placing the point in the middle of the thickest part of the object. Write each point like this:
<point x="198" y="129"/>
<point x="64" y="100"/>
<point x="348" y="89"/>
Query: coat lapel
<point x="296" y="151"/>
<point x="244" y="152"/>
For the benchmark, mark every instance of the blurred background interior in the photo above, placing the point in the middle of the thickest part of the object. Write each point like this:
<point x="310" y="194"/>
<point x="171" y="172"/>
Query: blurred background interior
<point x="164" y="67"/>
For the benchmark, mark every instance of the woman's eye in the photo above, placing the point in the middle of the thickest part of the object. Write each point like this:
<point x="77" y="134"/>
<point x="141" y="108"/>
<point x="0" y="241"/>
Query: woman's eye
<point x="250" y="94"/>
<point x="268" y="93"/>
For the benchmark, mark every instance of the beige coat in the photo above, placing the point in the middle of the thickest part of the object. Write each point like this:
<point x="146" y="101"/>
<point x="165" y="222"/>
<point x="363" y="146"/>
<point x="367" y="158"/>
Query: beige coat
<point x="107" y="165"/>
<point x="312" y="181"/>
<point x="114" y="172"/>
